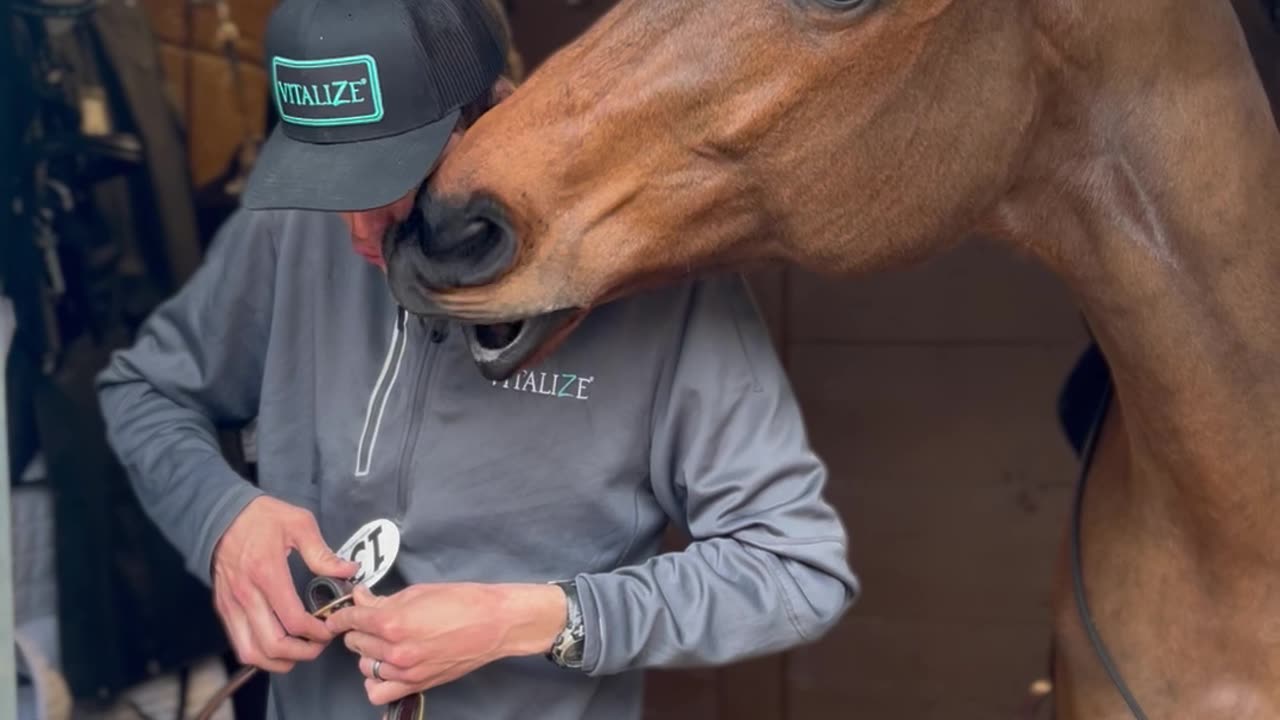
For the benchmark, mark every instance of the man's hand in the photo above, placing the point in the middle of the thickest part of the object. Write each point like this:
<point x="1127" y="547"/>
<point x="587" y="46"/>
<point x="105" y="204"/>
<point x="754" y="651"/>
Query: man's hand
<point x="428" y="635"/>
<point x="253" y="590"/>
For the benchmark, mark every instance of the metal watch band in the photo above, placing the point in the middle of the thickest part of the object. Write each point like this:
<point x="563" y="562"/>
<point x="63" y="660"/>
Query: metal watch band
<point x="567" y="650"/>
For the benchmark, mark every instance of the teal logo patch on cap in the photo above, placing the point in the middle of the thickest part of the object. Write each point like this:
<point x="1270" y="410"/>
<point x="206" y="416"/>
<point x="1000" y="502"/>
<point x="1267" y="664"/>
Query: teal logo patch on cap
<point x="334" y="91"/>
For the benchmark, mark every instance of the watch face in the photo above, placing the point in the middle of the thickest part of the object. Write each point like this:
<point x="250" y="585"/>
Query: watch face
<point x="567" y="651"/>
<point x="573" y="659"/>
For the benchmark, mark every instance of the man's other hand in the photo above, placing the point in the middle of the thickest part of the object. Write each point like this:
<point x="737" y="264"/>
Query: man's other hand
<point x="253" y="590"/>
<point x="428" y="635"/>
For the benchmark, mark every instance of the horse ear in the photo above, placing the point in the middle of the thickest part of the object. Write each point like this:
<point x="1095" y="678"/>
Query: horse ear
<point x="502" y="89"/>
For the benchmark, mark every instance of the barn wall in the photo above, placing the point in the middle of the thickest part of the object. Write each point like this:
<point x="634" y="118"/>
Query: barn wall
<point x="931" y="394"/>
<point x="200" y="78"/>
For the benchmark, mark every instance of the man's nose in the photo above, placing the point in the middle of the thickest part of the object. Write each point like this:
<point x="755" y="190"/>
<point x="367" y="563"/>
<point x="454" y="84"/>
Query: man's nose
<point x="370" y="226"/>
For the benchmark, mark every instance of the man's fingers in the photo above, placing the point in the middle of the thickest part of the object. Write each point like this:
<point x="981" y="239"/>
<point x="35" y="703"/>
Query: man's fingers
<point x="271" y="639"/>
<point x="367" y="645"/>
<point x="359" y="618"/>
<point x="315" y="552"/>
<point x="364" y="597"/>
<point x="287" y="606"/>
<point x="382" y="693"/>
<point x="243" y="639"/>
<point x="237" y="629"/>
<point x="386" y="670"/>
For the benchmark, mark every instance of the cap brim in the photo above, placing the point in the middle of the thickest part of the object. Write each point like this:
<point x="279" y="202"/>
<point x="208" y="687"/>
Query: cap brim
<point x="291" y="174"/>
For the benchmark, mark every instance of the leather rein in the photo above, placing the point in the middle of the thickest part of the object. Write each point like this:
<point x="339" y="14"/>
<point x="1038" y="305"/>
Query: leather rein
<point x="1077" y="571"/>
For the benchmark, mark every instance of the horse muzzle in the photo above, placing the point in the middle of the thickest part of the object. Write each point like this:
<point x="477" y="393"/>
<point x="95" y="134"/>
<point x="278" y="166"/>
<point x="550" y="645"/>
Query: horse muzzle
<point x="443" y="246"/>
<point x="439" y="247"/>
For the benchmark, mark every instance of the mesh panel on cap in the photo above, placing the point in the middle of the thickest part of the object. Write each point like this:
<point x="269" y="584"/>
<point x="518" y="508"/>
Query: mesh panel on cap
<point x="499" y="23"/>
<point x="465" y="51"/>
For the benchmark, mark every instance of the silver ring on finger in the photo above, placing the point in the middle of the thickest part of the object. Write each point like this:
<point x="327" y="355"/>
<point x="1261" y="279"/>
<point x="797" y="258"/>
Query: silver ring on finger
<point x="377" y="666"/>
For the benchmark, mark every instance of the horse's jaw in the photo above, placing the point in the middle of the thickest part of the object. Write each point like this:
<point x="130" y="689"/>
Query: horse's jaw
<point x="501" y="350"/>
<point x="500" y="344"/>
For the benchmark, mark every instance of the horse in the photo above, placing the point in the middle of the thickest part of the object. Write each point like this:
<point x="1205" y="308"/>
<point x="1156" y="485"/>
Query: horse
<point x="1130" y="147"/>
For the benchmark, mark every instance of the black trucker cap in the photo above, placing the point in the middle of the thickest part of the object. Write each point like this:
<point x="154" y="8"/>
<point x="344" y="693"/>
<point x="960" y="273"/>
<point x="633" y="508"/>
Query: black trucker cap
<point x="368" y="93"/>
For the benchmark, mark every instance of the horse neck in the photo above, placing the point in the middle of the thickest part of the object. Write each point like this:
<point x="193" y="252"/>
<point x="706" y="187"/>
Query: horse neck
<point x="1152" y="187"/>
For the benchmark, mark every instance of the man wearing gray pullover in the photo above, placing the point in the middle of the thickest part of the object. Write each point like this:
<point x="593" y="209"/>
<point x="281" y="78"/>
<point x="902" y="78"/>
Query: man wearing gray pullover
<point x="529" y="580"/>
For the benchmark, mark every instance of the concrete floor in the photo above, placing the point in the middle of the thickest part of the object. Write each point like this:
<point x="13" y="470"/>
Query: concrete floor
<point x="931" y="394"/>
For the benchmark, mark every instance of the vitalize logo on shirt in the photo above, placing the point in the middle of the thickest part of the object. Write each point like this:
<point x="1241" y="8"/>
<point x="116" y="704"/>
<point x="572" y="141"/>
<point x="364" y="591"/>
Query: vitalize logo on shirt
<point x="334" y="91"/>
<point x="557" y="385"/>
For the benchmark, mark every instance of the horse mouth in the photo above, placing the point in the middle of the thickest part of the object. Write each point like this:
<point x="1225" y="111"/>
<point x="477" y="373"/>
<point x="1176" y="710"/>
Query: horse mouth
<point x="502" y="349"/>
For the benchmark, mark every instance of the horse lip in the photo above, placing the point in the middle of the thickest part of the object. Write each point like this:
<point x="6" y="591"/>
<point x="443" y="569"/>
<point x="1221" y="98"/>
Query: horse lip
<point x="498" y="364"/>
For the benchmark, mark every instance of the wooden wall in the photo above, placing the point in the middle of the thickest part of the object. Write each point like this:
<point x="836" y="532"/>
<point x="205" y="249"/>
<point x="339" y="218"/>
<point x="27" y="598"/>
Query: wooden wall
<point x="200" y="78"/>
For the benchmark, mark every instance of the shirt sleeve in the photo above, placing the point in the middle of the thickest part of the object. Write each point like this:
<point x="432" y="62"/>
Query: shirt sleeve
<point x="196" y="364"/>
<point x="767" y="566"/>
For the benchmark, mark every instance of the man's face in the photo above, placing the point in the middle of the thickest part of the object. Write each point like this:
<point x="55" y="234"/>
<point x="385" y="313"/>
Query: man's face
<point x="368" y="227"/>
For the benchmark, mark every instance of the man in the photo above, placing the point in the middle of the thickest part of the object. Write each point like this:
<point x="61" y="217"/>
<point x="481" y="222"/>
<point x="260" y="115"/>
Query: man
<point x="531" y="512"/>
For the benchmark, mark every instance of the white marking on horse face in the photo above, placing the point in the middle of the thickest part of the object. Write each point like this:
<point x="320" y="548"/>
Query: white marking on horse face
<point x="374" y="547"/>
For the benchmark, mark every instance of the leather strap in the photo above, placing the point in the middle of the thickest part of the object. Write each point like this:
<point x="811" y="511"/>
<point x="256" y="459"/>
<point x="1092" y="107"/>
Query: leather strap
<point x="1077" y="563"/>
<point x="323" y="597"/>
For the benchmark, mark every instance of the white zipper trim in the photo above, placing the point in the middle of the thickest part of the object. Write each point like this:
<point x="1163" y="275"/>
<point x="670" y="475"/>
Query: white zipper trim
<point x="378" y="397"/>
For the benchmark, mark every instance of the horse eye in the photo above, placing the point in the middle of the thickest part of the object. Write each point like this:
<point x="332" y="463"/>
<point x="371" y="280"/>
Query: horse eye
<point x="845" y="5"/>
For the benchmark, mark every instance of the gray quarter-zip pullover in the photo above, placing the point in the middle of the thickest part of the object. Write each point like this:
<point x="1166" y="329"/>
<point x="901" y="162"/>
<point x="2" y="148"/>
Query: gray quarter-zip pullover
<point x="668" y="406"/>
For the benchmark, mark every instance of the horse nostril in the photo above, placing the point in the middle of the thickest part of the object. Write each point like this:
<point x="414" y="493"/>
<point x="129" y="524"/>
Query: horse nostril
<point x="475" y="239"/>
<point x="467" y="247"/>
<point x="479" y="238"/>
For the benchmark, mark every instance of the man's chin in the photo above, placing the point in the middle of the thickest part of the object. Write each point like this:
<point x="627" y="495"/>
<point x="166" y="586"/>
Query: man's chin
<point x="374" y="260"/>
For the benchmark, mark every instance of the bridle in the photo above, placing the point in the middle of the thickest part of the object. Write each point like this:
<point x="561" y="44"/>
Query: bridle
<point x="1077" y="572"/>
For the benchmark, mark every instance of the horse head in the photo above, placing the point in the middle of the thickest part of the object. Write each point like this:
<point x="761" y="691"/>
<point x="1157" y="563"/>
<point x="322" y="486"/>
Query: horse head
<point x="683" y="136"/>
<point x="687" y="136"/>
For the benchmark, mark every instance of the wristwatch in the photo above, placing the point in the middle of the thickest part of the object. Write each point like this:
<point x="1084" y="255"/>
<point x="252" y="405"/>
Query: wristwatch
<point x="566" y="651"/>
